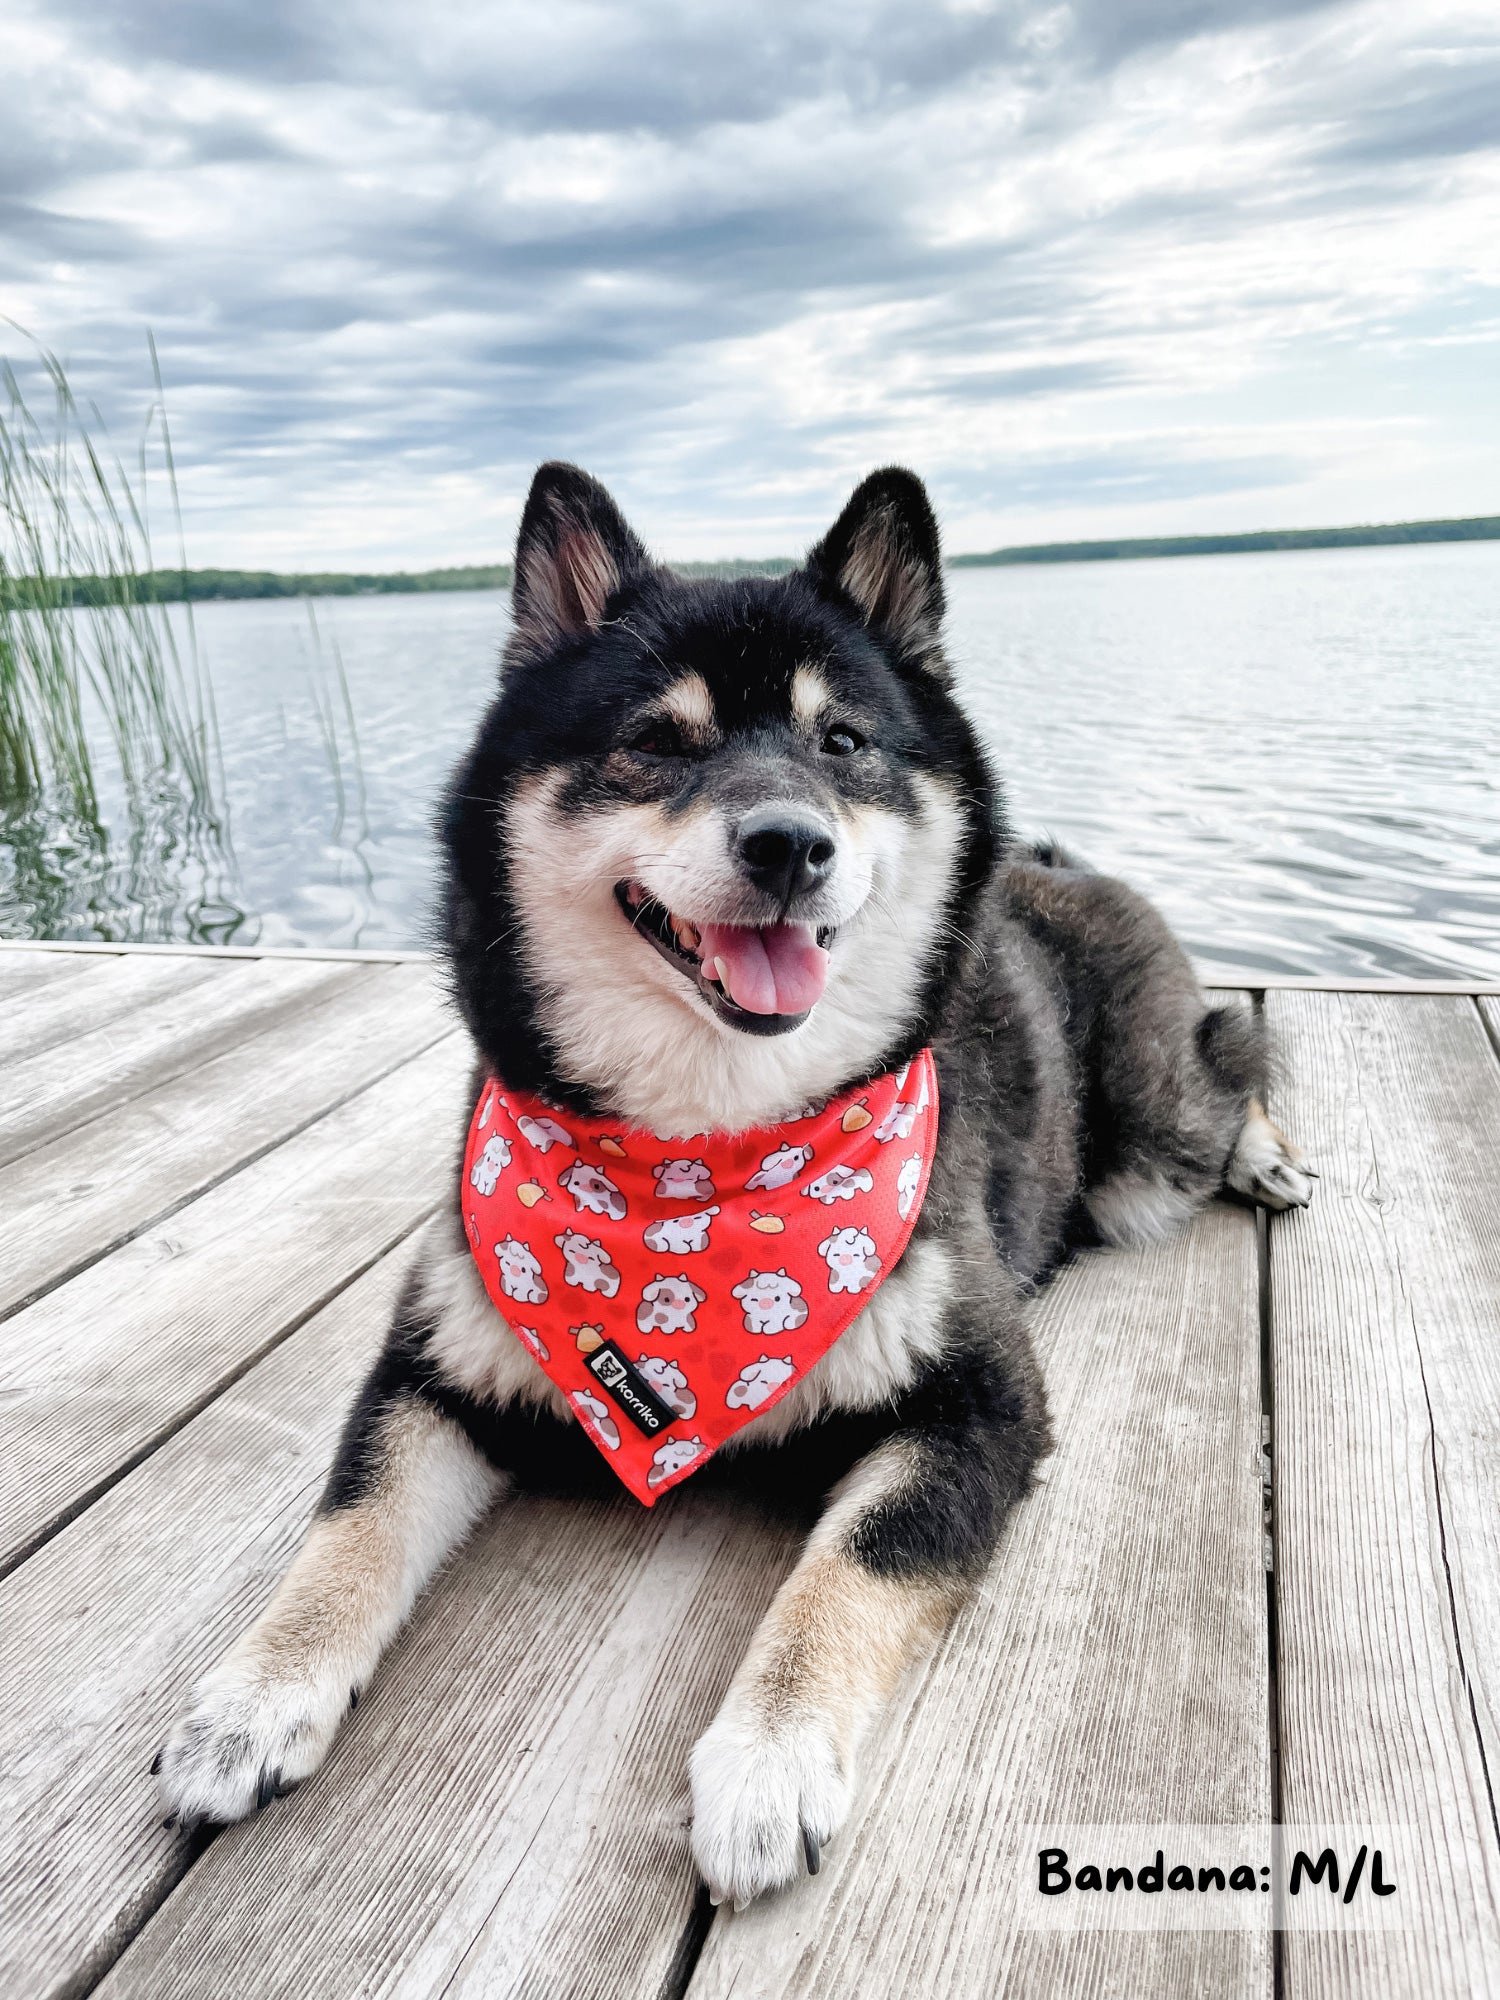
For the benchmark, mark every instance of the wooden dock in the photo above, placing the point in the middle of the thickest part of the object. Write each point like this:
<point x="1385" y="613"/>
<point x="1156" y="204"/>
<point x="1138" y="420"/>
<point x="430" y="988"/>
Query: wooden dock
<point x="210" y="1170"/>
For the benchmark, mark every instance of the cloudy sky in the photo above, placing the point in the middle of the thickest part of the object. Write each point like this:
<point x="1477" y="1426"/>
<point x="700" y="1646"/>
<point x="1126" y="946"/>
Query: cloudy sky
<point x="1115" y="267"/>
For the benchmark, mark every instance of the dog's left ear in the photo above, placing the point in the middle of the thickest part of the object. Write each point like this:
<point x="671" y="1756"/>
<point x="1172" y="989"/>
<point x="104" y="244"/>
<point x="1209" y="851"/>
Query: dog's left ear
<point x="573" y="552"/>
<point x="882" y="555"/>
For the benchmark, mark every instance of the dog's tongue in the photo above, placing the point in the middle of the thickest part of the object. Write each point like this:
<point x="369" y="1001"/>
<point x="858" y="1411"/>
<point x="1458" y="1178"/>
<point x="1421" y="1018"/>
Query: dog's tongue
<point x="779" y="970"/>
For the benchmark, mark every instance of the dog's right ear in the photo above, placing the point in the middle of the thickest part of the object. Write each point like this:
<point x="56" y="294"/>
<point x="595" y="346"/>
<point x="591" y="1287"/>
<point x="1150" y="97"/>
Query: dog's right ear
<point x="881" y="557"/>
<point x="573" y="552"/>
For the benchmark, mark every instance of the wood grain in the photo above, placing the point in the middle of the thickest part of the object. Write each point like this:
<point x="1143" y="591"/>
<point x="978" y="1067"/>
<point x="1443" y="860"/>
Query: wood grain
<point x="28" y="971"/>
<point x="508" y="1816"/>
<point x="1111" y="1670"/>
<point x="101" y="990"/>
<point x="99" y="1370"/>
<point x="105" y="1061"/>
<point x="102" y="1630"/>
<point x="1386" y="1341"/>
<point x="69" y="1201"/>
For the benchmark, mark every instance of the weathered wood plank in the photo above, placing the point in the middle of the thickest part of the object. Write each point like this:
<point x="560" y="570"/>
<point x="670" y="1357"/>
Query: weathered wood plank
<point x="53" y="1015"/>
<point x="1385" y="1308"/>
<point x="97" y="1371"/>
<point x="1112" y="1670"/>
<point x="202" y="1011"/>
<point x="28" y="971"/>
<point x="69" y="1201"/>
<point x="101" y="1631"/>
<point x="508" y="1814"/>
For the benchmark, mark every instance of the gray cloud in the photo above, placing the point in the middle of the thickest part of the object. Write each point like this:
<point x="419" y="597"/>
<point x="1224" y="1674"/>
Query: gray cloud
<point x="1069" y="260"/>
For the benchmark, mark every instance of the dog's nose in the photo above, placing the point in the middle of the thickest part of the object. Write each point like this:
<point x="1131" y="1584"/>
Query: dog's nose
<point x="783" y="853"/>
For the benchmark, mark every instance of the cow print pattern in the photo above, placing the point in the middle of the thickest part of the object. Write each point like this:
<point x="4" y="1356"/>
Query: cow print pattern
<point x="718" y="1269"/>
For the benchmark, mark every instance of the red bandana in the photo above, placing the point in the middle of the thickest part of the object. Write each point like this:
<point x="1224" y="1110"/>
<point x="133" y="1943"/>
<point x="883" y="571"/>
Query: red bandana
<point x="674" y="1289"/>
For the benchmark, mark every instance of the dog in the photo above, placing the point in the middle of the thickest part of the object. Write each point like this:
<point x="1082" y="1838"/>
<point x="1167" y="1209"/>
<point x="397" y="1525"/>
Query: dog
<point x="721" y="851"/>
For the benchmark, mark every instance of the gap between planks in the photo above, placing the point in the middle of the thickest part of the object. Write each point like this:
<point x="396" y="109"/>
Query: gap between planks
<point x="1233" y="980"/>
<point x="307" y="1056"/>
<point x="196" y="1300"/>
<point x="1385" y="1331"/>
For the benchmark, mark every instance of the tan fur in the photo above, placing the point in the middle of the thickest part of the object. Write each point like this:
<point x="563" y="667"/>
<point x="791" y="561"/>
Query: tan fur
<point x="838" y="1638"/>
<point x="691" y="706"/>
<point x="811" y="699"/>
<point x="775" y="1770"/>
<point x="567" y="588"/>
<point x="358" y="1570"/>
<point x="267" y="1713"/>
<point x="1266" y="1166"/>
<point x="885" y="583"/>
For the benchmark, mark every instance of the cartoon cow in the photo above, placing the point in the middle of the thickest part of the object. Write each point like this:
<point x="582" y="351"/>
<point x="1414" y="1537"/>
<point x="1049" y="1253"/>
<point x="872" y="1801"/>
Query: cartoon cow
<point x="784" y="1165"/>
<point x="520" y="1273"/>
<point x="593" y="1191"/>
<point x="672" y="1457"/>
<point x="679" y="1235"/>
<point x="534" y="1341"/>
<point x="771" y="1302"/>
<point x="668" y="1304"/>
<point x="840" y="1184"/>
<point x="490" y="1165"/>
<point x="897" y="1122"/>
<point x="851" y="1259"/>
<point x="669" y="1382"/>
<point x="907" y="1182"/>
<point x="544" y="1133"/>
<point x="586" y="1263"/>
<point x="595" y="1417"/>
<point x="752" y="1385"/>
<point x="683" y="1180"/>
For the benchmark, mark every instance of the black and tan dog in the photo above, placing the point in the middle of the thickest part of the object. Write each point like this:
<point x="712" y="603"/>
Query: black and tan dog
<point x="721" y="850"/>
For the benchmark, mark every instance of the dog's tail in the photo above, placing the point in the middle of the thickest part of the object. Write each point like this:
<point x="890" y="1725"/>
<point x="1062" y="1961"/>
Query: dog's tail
<point x="1050" y="853"/>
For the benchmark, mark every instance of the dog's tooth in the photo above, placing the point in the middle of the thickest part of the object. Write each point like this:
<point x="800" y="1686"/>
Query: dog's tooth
<point x="721" y="973"/>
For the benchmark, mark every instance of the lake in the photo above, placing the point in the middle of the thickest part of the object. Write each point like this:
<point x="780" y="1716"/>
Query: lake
<point x="1297" y="755"/>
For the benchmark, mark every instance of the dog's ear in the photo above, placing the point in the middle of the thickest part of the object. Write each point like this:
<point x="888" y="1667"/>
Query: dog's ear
<point x="882" y="556"/>
<point x="573" y="552"/>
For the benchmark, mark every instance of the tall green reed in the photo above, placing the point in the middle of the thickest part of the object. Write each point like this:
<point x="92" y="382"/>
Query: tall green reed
<point x="100" y="687"/>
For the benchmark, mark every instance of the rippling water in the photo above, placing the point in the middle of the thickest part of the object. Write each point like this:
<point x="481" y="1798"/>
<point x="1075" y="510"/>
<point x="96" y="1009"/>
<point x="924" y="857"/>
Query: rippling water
<point x="1298" y="756"/>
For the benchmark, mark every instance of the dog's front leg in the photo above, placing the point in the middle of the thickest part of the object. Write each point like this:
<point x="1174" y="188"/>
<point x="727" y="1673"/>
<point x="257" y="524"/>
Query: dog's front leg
<point x="406" y="1487"/>
<point x="903" y="1540"/>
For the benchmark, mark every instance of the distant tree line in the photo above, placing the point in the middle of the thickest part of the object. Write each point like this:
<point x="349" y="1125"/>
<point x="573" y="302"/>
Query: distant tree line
<point x="173" y="586"/>
<point x="1480" y="528"/>
<point x="201" y="586"/>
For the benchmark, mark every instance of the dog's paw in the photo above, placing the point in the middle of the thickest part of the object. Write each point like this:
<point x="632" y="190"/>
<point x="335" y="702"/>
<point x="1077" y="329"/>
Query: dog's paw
<point x="245" y="1737"/>
<point x="766" y="1800"/>
<point x="1267" y="1168"/>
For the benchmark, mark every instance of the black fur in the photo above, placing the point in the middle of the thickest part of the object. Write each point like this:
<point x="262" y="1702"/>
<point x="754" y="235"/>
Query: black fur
<point x="1071" y="1040"/>
<point x="571" y="703"/>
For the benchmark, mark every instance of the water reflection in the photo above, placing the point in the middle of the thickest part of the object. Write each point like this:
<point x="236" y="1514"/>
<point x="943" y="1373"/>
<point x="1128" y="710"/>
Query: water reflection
<point x="1294" y="754"/>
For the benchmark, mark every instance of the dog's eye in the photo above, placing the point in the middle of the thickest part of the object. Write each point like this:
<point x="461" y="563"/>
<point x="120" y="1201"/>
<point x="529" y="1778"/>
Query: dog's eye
<point x="658" y="739"/>
<point x="841" y="741"/>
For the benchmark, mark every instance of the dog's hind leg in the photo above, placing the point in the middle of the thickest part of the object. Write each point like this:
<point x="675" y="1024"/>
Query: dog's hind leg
<point x="407" y="1486"/>
<point x="1266" y="1166"/>
<point x="897" y="1551"/>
